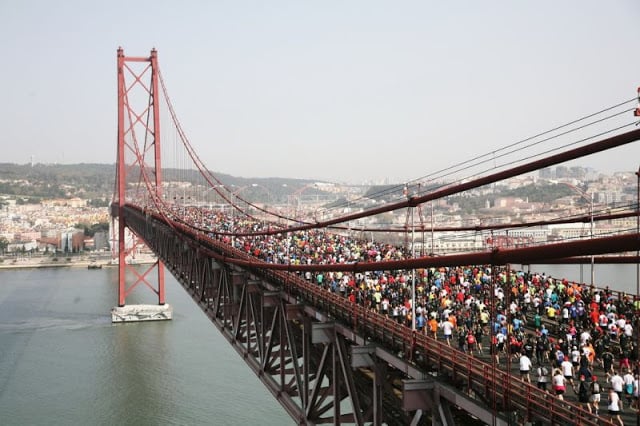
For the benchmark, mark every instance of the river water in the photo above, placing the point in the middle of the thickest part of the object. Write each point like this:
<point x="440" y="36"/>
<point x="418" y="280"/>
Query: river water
<point x="62" y="362"/>
<point x="621" y="277"/>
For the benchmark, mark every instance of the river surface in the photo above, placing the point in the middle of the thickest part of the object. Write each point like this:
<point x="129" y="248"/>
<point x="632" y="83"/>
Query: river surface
<point x="62" y="362"/>
<point x="622" y="277"/>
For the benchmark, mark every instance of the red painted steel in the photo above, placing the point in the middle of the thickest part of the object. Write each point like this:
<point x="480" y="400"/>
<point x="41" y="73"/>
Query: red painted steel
<point x="155" y="92"/>
<point x="423" y="226"/>
<point x="191" y="246"/>
<point x="503" y="392"/>
<point x="593" y="148"/>
<point x="499" y="384"/>
<point x="121" y="182"/>
<point x="128" y="144"/>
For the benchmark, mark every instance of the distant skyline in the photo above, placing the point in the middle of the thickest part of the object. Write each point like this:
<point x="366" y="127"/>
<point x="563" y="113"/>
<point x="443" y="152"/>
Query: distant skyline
<point x="340" y="91"/>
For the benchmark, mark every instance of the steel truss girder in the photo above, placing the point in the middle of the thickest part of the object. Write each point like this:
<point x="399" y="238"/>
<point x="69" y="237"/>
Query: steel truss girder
<point x="305" y="363"/>
<point x="317" y="379"/>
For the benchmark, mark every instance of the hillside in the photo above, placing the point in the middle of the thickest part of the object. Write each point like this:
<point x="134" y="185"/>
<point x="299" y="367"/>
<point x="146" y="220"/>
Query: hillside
<point x="96" y="182"/>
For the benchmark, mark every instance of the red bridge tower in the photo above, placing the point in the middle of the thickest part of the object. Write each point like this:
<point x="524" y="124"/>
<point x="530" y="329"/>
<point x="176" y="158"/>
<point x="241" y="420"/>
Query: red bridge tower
<point x="137" y="179"/>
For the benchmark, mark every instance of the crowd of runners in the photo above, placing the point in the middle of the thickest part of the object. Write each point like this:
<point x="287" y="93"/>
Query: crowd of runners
<point x="569" y="338"/>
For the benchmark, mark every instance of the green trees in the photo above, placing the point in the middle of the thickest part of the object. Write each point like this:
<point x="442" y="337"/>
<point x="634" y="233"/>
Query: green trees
<point x="539" y="193"/>
<point x="90" y="230"/>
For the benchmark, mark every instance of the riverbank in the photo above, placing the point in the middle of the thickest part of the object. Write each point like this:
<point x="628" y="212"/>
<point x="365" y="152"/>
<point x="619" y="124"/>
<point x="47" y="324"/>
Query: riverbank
<point x="49" y="263"/>
<point x="67" y="262"/>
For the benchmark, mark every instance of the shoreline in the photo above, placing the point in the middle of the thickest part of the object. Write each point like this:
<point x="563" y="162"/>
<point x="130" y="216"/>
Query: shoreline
<point x="40" y="263"/>
<point x="49" y="265"/>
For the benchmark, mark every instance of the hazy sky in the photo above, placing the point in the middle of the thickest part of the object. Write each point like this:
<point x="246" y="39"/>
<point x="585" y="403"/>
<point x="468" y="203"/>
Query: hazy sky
<point x="338" y="90"/>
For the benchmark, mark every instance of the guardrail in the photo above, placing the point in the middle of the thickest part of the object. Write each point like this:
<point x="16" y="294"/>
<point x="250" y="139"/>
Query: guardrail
<point x="500" y="390"/>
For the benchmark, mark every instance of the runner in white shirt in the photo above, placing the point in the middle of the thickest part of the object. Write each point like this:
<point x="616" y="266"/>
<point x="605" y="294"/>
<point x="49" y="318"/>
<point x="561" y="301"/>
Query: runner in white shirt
<point x="615" y="406"/>
<point x="558" y="383"/>
<point x="525" y="367"/>
<point x="617" y="383"/>
<point x="575" y="357"/>
<point x="628" y="386"/>
<point x="603" y="321"/>
<point x="567" y="372"/>
<point x="447" y="330"/>
<point x="584" y="337"/>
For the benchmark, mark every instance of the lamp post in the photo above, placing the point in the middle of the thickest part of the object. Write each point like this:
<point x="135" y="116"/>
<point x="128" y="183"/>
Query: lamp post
<point x="234" y="196"/>
<point x="591" y="226"/>
<point x="433" y="250"/>
<point x="413" y="271"/>
<point x="413" y="275"/>
<point x="205" y="195"/>
<point x="591" y="232"/>
<point x="638" y="230"/>
<point x="635" y="302"/>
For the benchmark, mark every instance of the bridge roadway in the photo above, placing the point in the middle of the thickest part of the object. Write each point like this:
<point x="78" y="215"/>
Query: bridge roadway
<point x="327" y="360"/>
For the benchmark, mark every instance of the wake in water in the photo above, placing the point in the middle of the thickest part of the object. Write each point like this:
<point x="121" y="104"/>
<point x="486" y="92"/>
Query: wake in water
<point x="52" y="323"/>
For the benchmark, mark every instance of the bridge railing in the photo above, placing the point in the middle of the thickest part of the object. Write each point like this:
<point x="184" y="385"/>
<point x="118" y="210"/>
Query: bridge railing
<point x="615" y="294"/>
<point x="498" y="389"/>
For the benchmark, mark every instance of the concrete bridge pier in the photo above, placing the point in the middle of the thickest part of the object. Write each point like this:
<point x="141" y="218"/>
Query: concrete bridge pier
<point x="136" y="313"/>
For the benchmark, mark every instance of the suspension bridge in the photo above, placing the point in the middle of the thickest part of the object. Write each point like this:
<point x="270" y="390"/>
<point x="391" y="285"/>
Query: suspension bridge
<point x="325" y="357"/>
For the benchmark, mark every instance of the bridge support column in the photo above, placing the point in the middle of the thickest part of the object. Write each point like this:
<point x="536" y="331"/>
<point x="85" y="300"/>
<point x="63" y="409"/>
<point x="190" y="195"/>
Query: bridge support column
<point x="134" y="313"/>
<point x="210" y="279"/>
<point x="363" y="357"/>
<point x="130" y="157"/>
<point x="239" y="282"/>
<point x="444" y="412"/>
<point x="333" y="389"/>
<point x="417" y="395"/>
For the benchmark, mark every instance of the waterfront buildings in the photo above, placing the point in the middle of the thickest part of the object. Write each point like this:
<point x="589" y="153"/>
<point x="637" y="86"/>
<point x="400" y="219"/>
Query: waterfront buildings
<point x="56" y="224"/>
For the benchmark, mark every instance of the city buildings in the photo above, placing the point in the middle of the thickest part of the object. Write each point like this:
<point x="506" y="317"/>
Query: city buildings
<point x="57" y="225"/>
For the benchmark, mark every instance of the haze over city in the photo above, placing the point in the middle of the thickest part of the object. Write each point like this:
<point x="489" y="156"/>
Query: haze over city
<point x="340" y="91"/>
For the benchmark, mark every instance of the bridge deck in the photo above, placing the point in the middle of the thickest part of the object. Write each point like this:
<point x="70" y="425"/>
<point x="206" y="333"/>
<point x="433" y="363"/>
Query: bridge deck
<point x="186" y="251"/>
